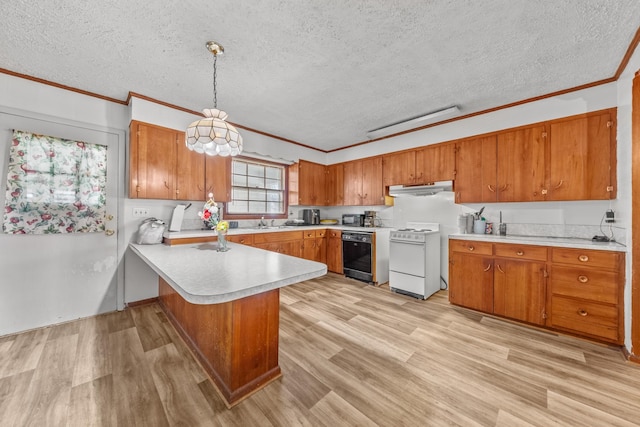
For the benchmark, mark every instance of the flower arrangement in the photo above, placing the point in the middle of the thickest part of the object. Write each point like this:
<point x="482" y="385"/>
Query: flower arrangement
<point x="211" y="216"/>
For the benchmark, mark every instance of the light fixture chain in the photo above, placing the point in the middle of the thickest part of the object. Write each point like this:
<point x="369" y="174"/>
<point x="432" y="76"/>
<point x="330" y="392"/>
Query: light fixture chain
<point x="215" y="89"/>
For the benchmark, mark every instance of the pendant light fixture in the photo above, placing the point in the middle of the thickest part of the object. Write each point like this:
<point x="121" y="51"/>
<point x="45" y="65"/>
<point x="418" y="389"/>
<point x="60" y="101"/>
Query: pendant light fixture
<point x="213" y="135"/>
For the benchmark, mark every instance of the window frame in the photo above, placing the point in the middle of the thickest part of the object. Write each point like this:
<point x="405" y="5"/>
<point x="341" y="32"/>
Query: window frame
<point x="285" y="190"/>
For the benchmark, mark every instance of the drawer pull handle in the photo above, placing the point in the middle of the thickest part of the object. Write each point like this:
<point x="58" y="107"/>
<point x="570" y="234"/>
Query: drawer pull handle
<point x="582" y="312"/>
<point x="583" y="258"/>
<point x="499" y="268"/>
<point x="520" y="253"/>
<point x="488" y="268"/>
<point x="471" y="248"/>
<point x="490" y="187"/>
<point x="583" y="279"/>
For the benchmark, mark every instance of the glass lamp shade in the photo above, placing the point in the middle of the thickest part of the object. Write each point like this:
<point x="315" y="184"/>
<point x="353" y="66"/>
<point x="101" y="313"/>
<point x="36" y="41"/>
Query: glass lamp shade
<point x="213" y="135"/>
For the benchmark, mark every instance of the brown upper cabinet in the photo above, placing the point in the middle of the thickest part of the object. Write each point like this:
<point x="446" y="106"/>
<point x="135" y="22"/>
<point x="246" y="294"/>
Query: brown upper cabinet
<point x="573" y="158"/>
<point x="582" y="162"/>
<point x="421" y="166"/>
<point x="311" y="183"/>
<point x="476" y="163"/>
<point x="334" y="189"/>
<point x="162" y="167"/>
<point x="363" y="182"/>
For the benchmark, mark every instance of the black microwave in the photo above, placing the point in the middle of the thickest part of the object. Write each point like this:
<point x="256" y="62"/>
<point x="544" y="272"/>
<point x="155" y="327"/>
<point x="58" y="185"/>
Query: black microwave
<point x="353" y="220"/>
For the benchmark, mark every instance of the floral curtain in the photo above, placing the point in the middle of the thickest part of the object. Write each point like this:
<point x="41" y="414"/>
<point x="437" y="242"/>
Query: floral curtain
<point x="55" y="185"/>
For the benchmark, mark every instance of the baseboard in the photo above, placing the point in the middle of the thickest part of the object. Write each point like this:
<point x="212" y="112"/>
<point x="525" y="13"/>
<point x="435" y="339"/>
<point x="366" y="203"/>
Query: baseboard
<point x="141" y="302"/>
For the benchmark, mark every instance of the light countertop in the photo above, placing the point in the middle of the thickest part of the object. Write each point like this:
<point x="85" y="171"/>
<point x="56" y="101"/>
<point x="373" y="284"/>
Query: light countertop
<point x="201" y="275"/>
<point x="564" y="242"/>
<point x="254" y="230"/>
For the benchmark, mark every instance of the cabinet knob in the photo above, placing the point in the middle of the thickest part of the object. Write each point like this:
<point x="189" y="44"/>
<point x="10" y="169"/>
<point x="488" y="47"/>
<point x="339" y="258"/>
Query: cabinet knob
<point x="583" y="279"/>
<point x="582" y="312"/>
<point x="520" y="253"/>
<point x="583" y="258"/>
<point x="471" y="248"/>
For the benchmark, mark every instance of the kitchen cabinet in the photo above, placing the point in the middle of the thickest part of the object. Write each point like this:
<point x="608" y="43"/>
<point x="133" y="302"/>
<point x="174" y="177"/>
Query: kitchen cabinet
<point x="314" y="246"/>
<point x="152" y="161"/>
<point x="363" y="182"/>
<point x="582" y="158"/>
<point x="399" y="168"/>
<point x="162" y="167"/>
<point x="334" y="251"/>
<point x="334" y="185"/>
<point x="572" y="290"/>
<point x="471" y="275"/>
<point x="521" y="164"/>
<point x="284" y="242"/>
<point x="476" y="168"/>
<point x="218" y="177"/>
<point x="519" y="290"/>
<point x="309" y="182"/>
<point x="586" y="293"/>
<point x="435" y="163"/>
<point x="243" y="239"/>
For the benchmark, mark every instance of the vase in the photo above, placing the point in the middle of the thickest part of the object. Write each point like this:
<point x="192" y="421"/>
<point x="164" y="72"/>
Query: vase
<point x="222" y="241"/>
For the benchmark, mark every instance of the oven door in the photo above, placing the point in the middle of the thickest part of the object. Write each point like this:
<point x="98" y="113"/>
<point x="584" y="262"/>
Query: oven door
<point x="407" y="257"/>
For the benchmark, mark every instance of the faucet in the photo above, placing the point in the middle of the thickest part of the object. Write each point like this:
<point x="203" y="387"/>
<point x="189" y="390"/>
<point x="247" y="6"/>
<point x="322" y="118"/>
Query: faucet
<point x="262" y="223"/>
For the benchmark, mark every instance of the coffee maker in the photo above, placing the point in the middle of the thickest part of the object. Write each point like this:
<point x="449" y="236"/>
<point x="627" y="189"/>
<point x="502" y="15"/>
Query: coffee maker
<point x="311" y="216"/>
<point x="370" y="218"/>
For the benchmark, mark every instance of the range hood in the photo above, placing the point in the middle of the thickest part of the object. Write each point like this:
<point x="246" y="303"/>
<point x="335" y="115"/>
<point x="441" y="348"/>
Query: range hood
<point x="420" y="190"/>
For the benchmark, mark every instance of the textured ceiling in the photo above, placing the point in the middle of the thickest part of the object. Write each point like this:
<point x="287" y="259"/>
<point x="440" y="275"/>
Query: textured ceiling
<point x="322" y="73"/>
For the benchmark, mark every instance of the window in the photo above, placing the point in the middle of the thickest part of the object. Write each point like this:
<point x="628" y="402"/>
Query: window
<point x="256" y="188"/>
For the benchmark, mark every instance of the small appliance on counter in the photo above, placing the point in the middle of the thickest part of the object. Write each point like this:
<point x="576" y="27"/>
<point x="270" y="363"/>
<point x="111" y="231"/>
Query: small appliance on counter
<point x="177" y="217"/>
<point x="353" y="220"/>
<point x="371" y="219"/>
<point x="311" y="216"/>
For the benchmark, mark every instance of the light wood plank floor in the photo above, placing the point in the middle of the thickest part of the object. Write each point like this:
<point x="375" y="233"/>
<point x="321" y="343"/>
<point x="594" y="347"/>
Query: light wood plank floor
<point x="351" y="354"/>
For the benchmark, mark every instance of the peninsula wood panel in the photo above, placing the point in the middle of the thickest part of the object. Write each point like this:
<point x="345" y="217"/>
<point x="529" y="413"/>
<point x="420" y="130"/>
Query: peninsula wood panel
<point x="236" y="342"/>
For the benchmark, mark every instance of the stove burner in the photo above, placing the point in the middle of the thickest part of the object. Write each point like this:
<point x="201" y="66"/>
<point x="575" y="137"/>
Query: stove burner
<point x="419" y="230"/>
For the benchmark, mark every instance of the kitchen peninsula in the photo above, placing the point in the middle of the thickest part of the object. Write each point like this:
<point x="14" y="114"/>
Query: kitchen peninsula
<point x="226" y="307"/>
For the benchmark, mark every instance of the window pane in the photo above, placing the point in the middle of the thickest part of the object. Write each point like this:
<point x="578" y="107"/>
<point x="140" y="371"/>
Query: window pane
<point x="273" y="184"/>
<point x="274" y="196"/>
<point x="255" y="170"/>
<point x="239" y="167"/>
<point x="257" y="194"/>
<point x="239" y="180"/>
<point x="274" y="173"/>
<point x="274" y="207"/>
<point x="240" y="194"/>
<point x="239" y="206"/>
<point x="255" y="182"/>
<point x="257" y="207"/>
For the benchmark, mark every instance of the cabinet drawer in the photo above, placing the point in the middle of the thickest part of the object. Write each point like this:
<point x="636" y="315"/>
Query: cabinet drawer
<point x="310" y="234"/>
<point x="282" y="236"/>
<point x="588" y="283"/>
<point x="593" y="258"/>
<point x="469" y="246"/>
<point x="321" y="233"/>
<point x="537" y="253"/>
<point x="244" y="239"/>
<point x="335" y="234"/>
<point x="585" y="317"/>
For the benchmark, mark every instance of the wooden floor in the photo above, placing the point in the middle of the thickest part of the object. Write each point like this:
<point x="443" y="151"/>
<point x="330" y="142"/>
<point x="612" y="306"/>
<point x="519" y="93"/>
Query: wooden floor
<point x="351" y="354"/>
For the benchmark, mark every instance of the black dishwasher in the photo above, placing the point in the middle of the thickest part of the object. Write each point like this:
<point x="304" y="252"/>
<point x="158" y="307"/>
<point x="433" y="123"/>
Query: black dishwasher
<point x="357" y="255"/>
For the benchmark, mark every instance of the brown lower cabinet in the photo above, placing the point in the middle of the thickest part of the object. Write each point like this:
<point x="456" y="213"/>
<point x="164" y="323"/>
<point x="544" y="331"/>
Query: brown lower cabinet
<point x="334" y="251"/>
<point x="577" y="291"/>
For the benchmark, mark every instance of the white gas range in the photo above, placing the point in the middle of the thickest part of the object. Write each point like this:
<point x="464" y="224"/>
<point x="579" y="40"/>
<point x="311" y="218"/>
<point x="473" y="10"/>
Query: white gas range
<point x="414" y="259"/>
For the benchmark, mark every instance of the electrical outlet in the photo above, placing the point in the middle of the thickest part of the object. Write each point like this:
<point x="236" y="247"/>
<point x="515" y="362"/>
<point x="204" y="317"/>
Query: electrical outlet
<point x="609" y="217"/>
<point x="140" y="212"/>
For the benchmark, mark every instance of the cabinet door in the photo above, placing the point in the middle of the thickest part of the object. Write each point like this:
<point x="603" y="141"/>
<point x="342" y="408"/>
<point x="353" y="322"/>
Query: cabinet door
<point x="311" y="184"/>
<point x="521" y="165"/>
<point x="519" y="290"/>
<point x="581" y="158"/>
<point x="334" y="190"/>
<point x="153" y="158"/>
<point x="476" y="162"/>
<point x="321" y="250"/>
<point x="309" y="249"/>
<point x="398" y="168"/>
<point x="218" y="177"/>
<point x="352" y="183"/>
<point x="436" y="163"/>
<point x="190" y="168"/>
<point x="372" y="188"/>
<point x="334" y="251"/>
<point x="471" y="281"/>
